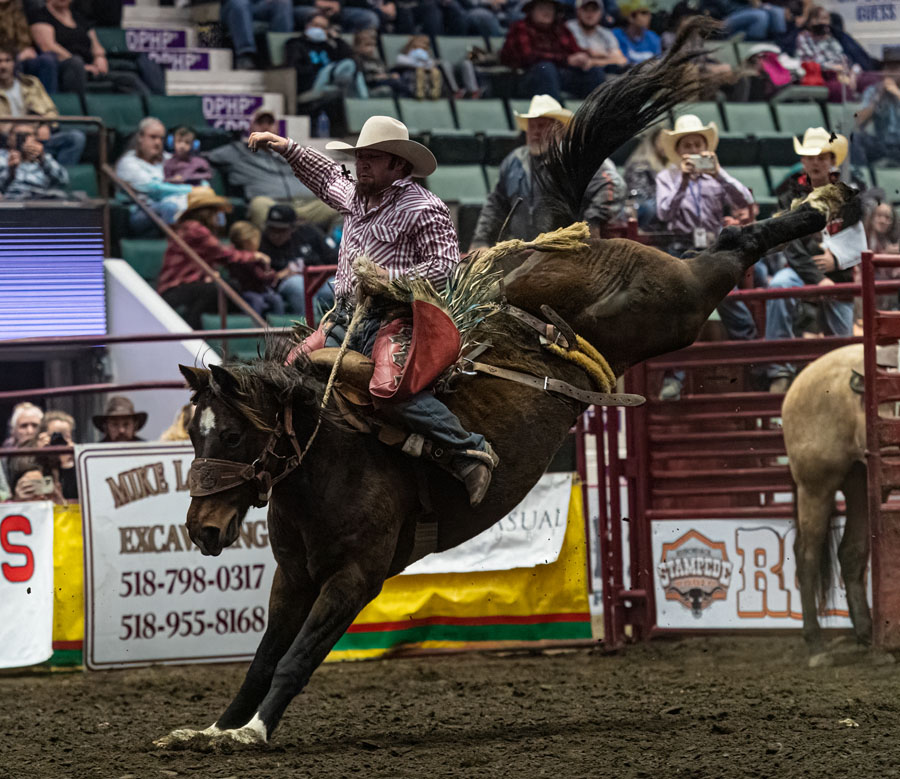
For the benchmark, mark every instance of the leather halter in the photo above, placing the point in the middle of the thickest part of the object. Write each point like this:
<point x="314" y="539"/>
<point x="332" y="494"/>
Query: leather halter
<point x="209" y="475"/>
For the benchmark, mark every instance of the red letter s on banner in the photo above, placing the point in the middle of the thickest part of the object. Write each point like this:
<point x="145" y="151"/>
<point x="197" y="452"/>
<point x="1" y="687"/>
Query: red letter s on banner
<point x="16" y="573"/>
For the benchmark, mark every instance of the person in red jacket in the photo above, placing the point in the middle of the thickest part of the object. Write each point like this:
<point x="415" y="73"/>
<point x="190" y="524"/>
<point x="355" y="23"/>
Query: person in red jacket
<point x="545" y="48"/>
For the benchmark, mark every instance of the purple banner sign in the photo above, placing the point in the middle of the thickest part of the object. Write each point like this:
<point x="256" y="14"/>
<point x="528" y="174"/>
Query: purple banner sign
<point x="151" y="39"/>
<point x="186" y="59"/>
<point x="230" y="112"/>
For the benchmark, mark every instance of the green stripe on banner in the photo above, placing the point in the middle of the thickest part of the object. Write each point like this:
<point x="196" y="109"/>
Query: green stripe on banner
<point x="385" y="639"/>
<point x="66" y="657"/>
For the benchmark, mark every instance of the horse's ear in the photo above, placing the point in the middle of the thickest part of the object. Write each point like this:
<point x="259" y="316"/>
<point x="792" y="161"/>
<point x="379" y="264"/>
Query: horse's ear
<point x="224" y="381"/>
<point x="197" y="378"/>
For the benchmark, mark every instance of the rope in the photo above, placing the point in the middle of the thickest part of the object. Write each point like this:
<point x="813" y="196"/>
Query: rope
<point x="586" y="357"/>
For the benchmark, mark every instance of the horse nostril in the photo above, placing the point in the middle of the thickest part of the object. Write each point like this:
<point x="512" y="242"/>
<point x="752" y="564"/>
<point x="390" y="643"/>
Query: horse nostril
<point x="209" y="537"/>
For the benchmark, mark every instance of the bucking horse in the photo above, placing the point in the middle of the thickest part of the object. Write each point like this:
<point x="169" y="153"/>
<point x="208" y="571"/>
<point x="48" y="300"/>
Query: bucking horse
<point x="350" y="515"/>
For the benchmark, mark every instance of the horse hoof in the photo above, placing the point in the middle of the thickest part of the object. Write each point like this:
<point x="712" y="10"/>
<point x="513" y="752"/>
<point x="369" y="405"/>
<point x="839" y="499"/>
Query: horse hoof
<point x="821" y="660"/>
<point x="253" y="734"/>
<point x="183" y="738"/>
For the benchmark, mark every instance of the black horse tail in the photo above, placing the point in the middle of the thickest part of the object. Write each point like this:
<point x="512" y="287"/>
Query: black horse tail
<point x="616" y="111"/>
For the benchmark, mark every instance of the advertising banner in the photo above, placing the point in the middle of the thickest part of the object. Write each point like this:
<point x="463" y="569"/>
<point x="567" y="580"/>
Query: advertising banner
<point x="26" y="583"/>
<point x="734" y="574"/>
<point x="230" y="112"/>
<point x="150" y="595"/>
<point x="181" y="59"/>
<point x="154" y="39"/>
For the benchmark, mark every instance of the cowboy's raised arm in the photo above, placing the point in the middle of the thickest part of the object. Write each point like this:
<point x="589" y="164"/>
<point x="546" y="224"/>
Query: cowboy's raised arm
<point x="323" y="176"/>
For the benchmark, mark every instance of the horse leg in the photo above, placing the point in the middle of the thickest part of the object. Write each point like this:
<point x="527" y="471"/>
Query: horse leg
<point x="342" y="596"/>
<point x="813" y="515"/>
<point x="853" y="552"/>
<point x="290" y="602"/>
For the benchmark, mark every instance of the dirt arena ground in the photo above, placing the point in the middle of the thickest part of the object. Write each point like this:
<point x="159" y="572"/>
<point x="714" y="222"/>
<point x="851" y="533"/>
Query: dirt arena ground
<point x="704" y="707"/>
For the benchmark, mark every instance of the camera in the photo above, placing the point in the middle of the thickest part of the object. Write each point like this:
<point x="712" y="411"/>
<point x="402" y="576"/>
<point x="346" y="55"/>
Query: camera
<point x="21" y="139"/>
<point x="702" y="164"/>
<point x="58" y="439"/>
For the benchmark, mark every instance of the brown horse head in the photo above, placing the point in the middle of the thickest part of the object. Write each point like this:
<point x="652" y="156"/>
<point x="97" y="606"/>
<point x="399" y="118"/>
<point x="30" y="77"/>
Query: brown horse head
<point x="237" y="408"/>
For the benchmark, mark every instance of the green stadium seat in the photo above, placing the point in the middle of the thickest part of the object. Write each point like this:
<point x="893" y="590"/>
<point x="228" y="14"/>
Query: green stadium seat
<point x="754" y="178"/>
<point x="83" y="178"/>
<point x="707" y="111"/>
<point x="358" y="110"/>
<point x="748" y="117"/>
<point x="391" y="45"/>
<point x="776" y="149"/>
<point x="795" y="118"/>
<point x="458" y="183"/>
<point x="422" y="116"/>
<point x="492" y="173"/>
<point x="778" y="173"/>
<point x="242" y="348"/>
<point x="496" y="42"/>
<point x="842" y="116"/>
<point x="276" y="42"/>
<point x="113" y="40"/>
<point x="467" y="219"/>
<point x="620" y="156"/>
<point x="725" y="52"/>
<point x="456" y="147"/>
<point x="743" y="49"/>
<point x="120" y="112"/>
<point x="68" y="104"/>
<point x="800" y="93"/>
<point x="864" y="172"/>
<point x="145" y="255"/>
<point x="481" y="115"/>
<point x="737" y="149"/>
<point x="455" y="48"/>
<point x="889" y="180"/>
<point x="173" y="110"/>
<point x="284" y="321"/>
<point x="573" y="104"/>
<point x="517" y="106"/>
<point x="499" y="143"/>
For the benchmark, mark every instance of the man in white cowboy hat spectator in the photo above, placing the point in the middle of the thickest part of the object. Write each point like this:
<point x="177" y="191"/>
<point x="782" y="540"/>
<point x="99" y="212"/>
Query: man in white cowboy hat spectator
<point x="517" y="191"/>
<point x="405" y="230"/>
<point x="119" y="422"/>
<point x="821" y="259"/>
<point x="691" y="196"/>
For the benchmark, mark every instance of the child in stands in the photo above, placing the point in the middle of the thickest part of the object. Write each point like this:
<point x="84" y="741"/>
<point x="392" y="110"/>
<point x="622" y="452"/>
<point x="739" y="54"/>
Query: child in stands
<point x="186" y="166"/>
<point x="255" y="281"/>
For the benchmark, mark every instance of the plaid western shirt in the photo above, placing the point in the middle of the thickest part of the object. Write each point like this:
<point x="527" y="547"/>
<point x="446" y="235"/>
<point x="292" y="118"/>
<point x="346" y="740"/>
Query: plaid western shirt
<point x="526" y="45"/>
<point x="409" y="233"/>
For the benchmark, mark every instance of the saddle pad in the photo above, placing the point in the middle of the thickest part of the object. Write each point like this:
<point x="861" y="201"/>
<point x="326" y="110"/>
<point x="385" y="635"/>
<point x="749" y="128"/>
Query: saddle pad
<point x="356" y="369"/>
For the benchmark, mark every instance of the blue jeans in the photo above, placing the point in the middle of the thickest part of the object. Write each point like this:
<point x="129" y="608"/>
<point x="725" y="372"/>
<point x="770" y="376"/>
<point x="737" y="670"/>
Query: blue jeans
<point x="351" y="19"/>
<point x="291" y="290"/>
<point x="46" y="67"/>
<point x="423" y="413"/>
<point x="345" y="74"/>
<point x="546" y="78"/>
<point x="757" y="24"/>
<point x="265" y="302"/>
<point x="66" y="146"/>
<point x="139" y="222"/>
<point x="238" y="17"/>
<point x="866" y="149"/>
<point x="835" y="317"/>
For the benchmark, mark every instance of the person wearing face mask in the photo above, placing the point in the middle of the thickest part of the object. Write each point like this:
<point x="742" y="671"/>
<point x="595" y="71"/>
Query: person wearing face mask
<point x="817" y="45"/>
<point x="322" y="60"/>
<point x="182" y="283"/>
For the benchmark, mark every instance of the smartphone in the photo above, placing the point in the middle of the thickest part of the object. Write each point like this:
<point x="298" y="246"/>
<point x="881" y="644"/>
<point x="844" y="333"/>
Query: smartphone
<point x="43" y="486"/>
<point x="21" y="138"/>
<point x="702" y="164"/>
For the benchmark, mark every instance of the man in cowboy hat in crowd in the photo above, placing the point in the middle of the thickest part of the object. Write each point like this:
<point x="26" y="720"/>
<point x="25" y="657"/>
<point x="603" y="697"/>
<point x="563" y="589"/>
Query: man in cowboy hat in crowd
<point x="120" y="422"/>
<point x="405" y="230"/>
<point x="821" y="259"/>
<point x="691" y="196"/>
<point x="605" y="195"/>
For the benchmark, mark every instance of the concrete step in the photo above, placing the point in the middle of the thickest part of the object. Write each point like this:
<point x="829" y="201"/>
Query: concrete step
<point x="155" y="16"/>
<point x="218" y="60"/>
<point x="185" y="82"/>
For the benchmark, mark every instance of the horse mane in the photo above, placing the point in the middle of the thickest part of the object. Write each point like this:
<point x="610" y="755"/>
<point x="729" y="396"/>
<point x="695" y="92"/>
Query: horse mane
<point x="617" y="111"/>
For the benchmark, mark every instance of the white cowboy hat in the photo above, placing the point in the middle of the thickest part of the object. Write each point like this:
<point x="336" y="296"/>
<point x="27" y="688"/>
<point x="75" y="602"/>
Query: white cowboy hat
<point x="384" y="133"/>
<point x="543" y="105"/>
<point x="817" y="140"/>
<point x="689" y="125"/>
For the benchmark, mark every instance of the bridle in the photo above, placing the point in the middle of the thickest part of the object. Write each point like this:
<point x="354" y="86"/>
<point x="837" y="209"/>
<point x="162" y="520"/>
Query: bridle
<point x="209" y="475"/>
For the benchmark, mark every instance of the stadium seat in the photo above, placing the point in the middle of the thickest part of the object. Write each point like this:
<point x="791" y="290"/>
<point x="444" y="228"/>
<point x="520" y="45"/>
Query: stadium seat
<point x="455" y="48"/>
<point x="492" y="174"/>
<point x="467" y="219"/>
<point x="800" y="93"/>
<point x="422" y="116"/>
<point x="864" y="172"/>
<point x="68" y="104"/>
<point x="496" y="43"/>
<point x="390" y="47"/>
<point x="458" y="183"/>
<point x="737" y="149"/>
<point x="573" y="104"/>
<point x="481" y="115"/>
<point x="358" y="110"/>
<point x="743" y="50"/>
<point x="276" y="42"/>
<point x="725" y="52"/>
<point x="456" y="147"/>
<point x="499" y="143"/>
<point x="776" y="149"/>
<point x="708" y="111"/>
<point x="778" y="173"/>
<point x="842" y="116"/>
<point x="113" y="40"/>
<point x="889" y="180"/>
<point x="517" y="105"/>
<point x="120" y="112"/>
<point x="284" y="321"/>
<point x="173" y="110"/>
<point x="754" y="178"/>
<point x="748" y="117"/>
<point x="795" y="118"/>
<point x="145" y="255"/>
<point x="243" y="348"/>
<point x="83" y="178"/>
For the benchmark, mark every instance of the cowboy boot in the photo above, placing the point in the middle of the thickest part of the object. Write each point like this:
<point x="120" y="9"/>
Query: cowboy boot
<point x="474" y="468"/>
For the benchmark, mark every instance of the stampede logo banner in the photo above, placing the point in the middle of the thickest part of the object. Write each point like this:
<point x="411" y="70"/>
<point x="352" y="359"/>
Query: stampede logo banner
<point x="695" y="571"/>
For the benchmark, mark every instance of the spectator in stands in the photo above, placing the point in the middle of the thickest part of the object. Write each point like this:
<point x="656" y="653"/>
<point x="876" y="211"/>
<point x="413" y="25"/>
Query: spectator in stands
<point x="238" y="17"/>
<point x="25" y="95"/>
<point x="264" y="178"/>
<point x="755" y="21"/>
<point x="119" y="422"/>
<point x="597" y="41"/>
<point x="186" y="166"/>
<point x="256" y="281"/>
<point x="185" y="285"/>
<point x="545" y="48"/>
<point x="363" y="15"/>
<point x="450" y="17"/>
<point x="57" y="429"/>
<point x="691" y="196"/>
<point x="636" y="40"/>
<point x="816" y="44"/>
<point x="883" y="230"/>
<point x="379" y="80"/>
<point x="103" y="13"/>
<point x="24" y="424"/>
<point x="28" y="481"/>
<point x="143" y="168"/>
<point x="71" y="38"/>
<point x="14" y="32"/>
<point x="605" y="195"/>
<point x="292" y="245"/>
<point x="881" y="107"/>
<point x="27" y="172"/>
<point x="322" y="58"/>
<point x="178" y="430"/>
<point x="642" y="167"/>
<point x="822" y="259"/>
